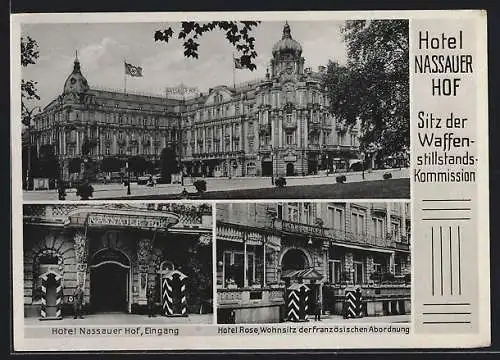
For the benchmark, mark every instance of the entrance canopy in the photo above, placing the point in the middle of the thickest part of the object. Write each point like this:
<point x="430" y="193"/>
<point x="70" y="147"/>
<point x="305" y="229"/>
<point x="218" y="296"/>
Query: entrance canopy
<point x="306" y="275"/>
<point x="148" y="220"/>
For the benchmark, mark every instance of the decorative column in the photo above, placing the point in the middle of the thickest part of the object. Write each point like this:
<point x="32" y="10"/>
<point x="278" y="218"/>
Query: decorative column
<point x="80" y="243"/>
<point x="349" y="265"/>
<point x="144" y="250"/>
<point x="369" y="266"/>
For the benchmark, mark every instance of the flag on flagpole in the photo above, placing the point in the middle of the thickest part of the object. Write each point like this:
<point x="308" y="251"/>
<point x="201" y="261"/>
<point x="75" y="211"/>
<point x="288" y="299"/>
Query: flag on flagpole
<point x="237" y="63"/>
<point x="134" y="71"/>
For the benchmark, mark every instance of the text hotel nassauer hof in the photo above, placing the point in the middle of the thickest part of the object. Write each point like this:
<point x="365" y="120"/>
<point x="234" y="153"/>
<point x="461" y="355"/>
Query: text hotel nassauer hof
<point x="446" y="71"/>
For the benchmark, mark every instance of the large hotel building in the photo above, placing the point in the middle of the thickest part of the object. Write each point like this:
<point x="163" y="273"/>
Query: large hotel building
<point x="277" y="125"/>
<point x="263" y="249"/>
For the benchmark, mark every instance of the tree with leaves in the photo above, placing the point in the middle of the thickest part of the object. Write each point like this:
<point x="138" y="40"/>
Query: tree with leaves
<point x="373" y="87"/>
<point x="29" y="55"/>
<point x="168" y="163"/>
<point x="238" y="34"/>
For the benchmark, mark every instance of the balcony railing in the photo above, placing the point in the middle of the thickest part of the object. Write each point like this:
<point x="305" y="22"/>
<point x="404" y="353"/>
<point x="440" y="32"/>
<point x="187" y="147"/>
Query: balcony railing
<point x="295" y="227"/>
<point x="250" y="295"/>
<point x="336" y="235"/>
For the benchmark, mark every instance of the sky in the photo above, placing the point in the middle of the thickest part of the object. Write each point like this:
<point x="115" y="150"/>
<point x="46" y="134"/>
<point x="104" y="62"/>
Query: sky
<point x="102" y="48"/>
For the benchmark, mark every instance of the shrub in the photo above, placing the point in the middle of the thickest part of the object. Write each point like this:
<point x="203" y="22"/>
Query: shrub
<point x="84" y="190"/>
<point x="200" y="185"/>
<point x="280" y="182"/>
<point x="387" y="175"/>
<point x="340" y="179"/>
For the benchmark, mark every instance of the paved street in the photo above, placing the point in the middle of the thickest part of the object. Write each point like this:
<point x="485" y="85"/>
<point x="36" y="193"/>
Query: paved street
<point x="366" y="319"/>
<point x="122" y="319"/>
<point x="298" y="187"/>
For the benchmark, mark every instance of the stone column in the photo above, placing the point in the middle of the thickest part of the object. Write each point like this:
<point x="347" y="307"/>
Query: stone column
<point x="144" y="250"/>
<point x="80" y="244"/>
<point x="388" y="218"/>
<point x="349" y="265"/>
<point x="369" y="266"/>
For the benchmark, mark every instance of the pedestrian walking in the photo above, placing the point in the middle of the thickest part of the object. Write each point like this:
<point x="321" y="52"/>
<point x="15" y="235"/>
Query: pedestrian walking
<point x="151" y="302"/>
<point x="78" y="298"/>
<point x="61" y="189"/>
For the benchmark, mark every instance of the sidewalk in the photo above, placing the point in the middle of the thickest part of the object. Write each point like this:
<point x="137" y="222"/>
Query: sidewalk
<point x="107" y="191"/>
<point x="367" y="319"/>
<point x="122" y="319"/>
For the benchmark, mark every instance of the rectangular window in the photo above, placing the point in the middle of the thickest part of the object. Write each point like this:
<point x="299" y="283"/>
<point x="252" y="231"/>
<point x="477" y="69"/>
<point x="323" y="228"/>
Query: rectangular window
<point x="336" y="218"/>
<point x="358" y="273"/>
<point x="378" y="227"/>
<point x="293" y="212"/>
<point x="395" y="231"/>
<point x="234" y="268"/>
<point x="334" y="271"/>
<point x="357" y="223"/>
<point x="289" y="139"/>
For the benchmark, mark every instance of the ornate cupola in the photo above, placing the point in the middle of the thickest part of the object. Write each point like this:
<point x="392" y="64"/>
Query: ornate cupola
<point x="287" y="56"/>
<point x="76" y="82"/>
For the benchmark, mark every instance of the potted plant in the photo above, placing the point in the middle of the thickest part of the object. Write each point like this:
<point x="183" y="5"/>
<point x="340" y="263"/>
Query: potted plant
<point x="200" y="185"/>
<point x="340" y="179"/>
<point x="231" y="284"/>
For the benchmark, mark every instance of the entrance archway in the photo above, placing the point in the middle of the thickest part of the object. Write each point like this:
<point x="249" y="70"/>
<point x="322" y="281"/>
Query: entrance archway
<point x="110" y="281"/>
<point x="294" y="259"/>
<point x="267" y="168"/>
<point x="290" y="171"/>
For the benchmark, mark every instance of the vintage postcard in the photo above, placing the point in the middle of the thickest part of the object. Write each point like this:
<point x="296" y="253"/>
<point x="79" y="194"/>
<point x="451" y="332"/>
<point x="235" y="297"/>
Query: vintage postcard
<point x="273" y="180"/>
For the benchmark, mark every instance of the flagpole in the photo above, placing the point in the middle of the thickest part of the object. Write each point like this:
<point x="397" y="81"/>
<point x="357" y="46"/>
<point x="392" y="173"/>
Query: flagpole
<point x="124" y="78"/>
<point x="234" y="73"/>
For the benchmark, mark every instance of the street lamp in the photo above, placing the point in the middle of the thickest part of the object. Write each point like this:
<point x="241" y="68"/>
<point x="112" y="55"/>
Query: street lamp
<point x="272" y="165"/>
<point x="363" y="164"/>
<point x="128" y="175"/>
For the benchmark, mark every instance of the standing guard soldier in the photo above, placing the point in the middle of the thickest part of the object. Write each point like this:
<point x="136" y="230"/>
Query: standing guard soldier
<point x="151" y="302"/>
<point x="317" y="315"/>
<point x="78" y="296"/>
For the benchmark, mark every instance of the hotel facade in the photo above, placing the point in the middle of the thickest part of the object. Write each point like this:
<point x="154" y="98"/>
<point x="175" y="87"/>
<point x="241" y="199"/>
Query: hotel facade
<point x="264" y="249"/>
<point x="276" y="125"/>
<point x="116" y="253"/>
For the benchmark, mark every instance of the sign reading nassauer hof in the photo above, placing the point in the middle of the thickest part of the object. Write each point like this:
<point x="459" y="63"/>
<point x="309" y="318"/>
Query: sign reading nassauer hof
<point x="363" y="135"/>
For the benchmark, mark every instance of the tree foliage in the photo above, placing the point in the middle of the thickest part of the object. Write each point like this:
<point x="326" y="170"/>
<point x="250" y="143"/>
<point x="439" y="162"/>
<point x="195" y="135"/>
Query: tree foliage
<point x="29" y="56"/>
<point x="373" y="87"/>
<point x="112" y="163"/>
<point x="238" y="34"/>
<point x="168" y="163"/>
<point x="138" y="164"/>
<point x="48" y="165"/>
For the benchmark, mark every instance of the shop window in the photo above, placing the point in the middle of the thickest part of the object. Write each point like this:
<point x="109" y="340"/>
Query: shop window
<point x="234" y="268"/>
<point x="334" y="271"/>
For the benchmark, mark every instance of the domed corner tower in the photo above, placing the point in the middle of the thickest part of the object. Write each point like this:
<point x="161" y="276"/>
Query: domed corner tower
<point x="76" y="85"/>
<point x="287" y="62"/>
